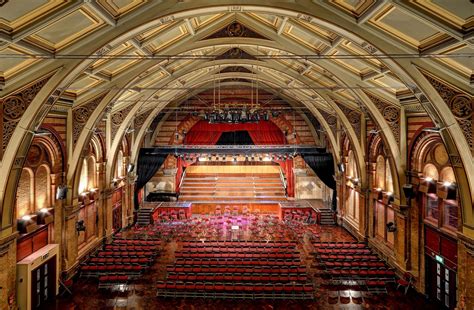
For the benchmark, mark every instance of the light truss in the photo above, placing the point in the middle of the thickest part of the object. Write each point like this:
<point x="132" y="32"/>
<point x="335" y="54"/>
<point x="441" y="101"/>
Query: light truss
<point x="233" y="149"/>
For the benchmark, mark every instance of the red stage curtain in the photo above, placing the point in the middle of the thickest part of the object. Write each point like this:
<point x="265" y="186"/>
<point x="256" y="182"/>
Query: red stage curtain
<point x="263" y="132"/>
<point x="287" y="168"/>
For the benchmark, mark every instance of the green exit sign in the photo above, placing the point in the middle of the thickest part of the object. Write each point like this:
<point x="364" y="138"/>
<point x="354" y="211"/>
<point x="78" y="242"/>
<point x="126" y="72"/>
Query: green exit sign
<point x="439" y="259"/>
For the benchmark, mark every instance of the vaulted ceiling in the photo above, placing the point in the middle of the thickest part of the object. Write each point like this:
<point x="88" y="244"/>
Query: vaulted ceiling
<point x="345" y="61"/>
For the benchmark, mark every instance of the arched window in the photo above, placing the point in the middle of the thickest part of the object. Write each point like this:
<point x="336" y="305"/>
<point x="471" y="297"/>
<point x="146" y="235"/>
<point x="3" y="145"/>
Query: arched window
<point x="119" y="165"/>
<point x="380" y="173"/>
<point x="450" y="209"/>
<point x="91" y="177"/>
<point x="388" y="177"/>
<point x="24" y="194"/>
<point x="383" y="211"/>
<point x="353" y="196"/>
<point x="42" y="188"/>
<point x="83" y="181"/>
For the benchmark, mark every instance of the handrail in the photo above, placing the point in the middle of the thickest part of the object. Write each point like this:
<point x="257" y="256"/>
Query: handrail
<point x="182" y="178"/>
<point x="282" y="177"/>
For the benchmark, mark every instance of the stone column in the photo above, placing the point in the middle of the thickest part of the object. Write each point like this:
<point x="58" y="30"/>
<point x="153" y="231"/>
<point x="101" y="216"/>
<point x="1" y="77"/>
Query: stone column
<point x="465" y="293"/>
<point x="401" y="235"/>
<point x="69" y="244"/>
<point x="101" y="206"/>
<point x="58" y="209"/>
<point x="125" y="194"/>
<point x="107" y="210"/>
<point x="8" y="272"/>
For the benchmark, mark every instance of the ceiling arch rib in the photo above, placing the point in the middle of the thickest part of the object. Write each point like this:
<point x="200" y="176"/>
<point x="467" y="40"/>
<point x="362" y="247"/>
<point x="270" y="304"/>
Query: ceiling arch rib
<point x="320" y="17"/>
<point x="140" y="135"/>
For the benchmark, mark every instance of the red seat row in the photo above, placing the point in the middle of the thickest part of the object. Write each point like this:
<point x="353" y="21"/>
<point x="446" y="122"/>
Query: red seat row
<point x="112" y="268"/>
<point x="239" y="244"/>
<point x="236" y="255"/>
<point x="136" y="242"/>
<point x="331" y="257"/>
<point x="113" y="278"/>
<point x="126" y="247"/>
<point x="382" y="273"/>
<point x="343" y="245"/>
<point x="238" y="262"/>
<point x="229" y="277"/>
<point x="353" y="264"/>
<point x="235" y="290"/>
<point x="126" y="253"/>
<point x="239" y="250"/>
<point x="119" y="260"/>
<point x="238" y="269"/>
<point x="343" y="251"/>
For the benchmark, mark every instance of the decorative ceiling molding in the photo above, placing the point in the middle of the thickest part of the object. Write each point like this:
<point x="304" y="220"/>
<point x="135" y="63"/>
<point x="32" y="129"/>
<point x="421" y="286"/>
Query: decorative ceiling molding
<point x="13" y="106"/>
<point x="235" y="29"/>
<point x="460" y="103"/>
<point x="81" y="114"/>
<point x="236" y="53"/>
<point x="235" y="69"/>
<point x="390" y="113"/>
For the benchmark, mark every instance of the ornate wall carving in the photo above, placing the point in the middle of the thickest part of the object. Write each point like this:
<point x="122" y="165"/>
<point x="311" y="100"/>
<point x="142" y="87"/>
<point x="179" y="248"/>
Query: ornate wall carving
<point x="140" y="120"/>
<point x="117" y="119"/>
<point x="81" y="114"/>
<point x="331" y="120"/>
<point x="354" y="118"/>
<point x="390" y="113"/>
<point x="460" y="104"/>
<point x="13" y="107"/>
<point x="235" y="29"/>
<point x="236" y="53"/>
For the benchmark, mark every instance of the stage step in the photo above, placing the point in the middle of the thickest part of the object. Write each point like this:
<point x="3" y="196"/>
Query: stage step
<point x="327" y="217"/>
<point x="232" y="187"/>
<point x="144" y="216"/>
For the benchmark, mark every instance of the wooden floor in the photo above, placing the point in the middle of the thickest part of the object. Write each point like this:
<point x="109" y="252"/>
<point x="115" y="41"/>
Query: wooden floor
<point x="141" y="294"/>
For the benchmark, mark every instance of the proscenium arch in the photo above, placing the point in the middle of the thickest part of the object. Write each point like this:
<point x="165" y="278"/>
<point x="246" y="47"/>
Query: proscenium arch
<point x="275" y="66"/>
<point x="402" y="68"/>
<point x="209" y="81"/>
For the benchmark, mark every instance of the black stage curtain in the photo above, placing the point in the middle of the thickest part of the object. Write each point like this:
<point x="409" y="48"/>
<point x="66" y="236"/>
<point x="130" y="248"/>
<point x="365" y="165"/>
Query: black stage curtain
<point x="240" y="137"/>
<point x="147" y="165"/>
<point x="323" y="166"/>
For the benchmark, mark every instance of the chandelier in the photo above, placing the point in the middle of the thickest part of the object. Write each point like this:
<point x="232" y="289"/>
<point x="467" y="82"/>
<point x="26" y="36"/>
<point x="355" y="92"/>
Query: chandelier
<point x="246" y="113"/>
<point x="237" y="115"/>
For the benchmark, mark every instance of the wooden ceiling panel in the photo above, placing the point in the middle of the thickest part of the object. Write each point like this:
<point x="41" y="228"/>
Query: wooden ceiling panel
<point x="463" y="65"/>
<point x="450" y="11"/>
<point x="353" y="7"/>
<point x="400" y="24"/>
<point x="68" y="29"/>
<point x="16" y="14"/>
<point x="10" y="65"/>
<point x="120" y="7"/>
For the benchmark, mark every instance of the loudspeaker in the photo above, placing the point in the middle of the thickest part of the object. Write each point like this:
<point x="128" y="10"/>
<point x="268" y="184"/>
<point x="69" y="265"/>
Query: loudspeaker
<point x="61" y="192"/>
<point x="408" y="191"/>
<point x="391" y="227"/>
<point x="341" y="167"/>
